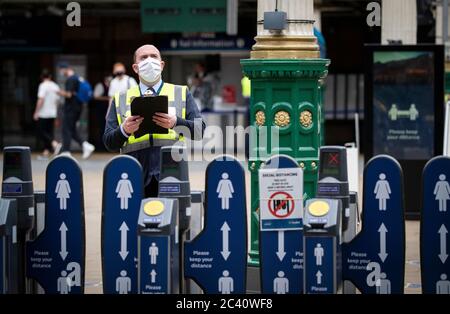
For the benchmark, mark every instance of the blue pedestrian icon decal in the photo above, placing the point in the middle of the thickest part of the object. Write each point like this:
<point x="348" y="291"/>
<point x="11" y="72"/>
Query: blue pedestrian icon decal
<point x="435" y="226"/>
<point x="122" y="195"/>
<point x="56" y="258"/>
<point x="319" y="265"/>
<point x="155" y="265"/>
<point x="217" y="258"/>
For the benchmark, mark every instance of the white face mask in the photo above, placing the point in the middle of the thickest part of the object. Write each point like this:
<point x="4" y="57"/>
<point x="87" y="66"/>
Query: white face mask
<point x="150" y="70"/>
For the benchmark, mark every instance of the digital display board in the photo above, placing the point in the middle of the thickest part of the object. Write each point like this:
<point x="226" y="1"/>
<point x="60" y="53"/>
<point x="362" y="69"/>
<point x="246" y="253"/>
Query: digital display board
<point x="330" y="164"/>
<point x="403" y="109"/>
<point x="403" y="104"/>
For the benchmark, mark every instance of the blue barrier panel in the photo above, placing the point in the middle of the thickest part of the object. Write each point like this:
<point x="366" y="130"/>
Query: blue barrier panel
<point x="319" y="266"/>
<point x="56" y="258"/>
<point x="122" y="195"/>
<point x="281" y="236"/>
<point x="375" y="259"/>
<point x="155" y="266"/>
<point x="435" y="226"/>
<point x="217" y="258"/>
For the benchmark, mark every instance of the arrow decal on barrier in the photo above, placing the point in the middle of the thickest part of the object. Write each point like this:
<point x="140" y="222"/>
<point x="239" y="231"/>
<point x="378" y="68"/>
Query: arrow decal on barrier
<point x="382" y="231"/>
<point x="63" y="231"/>
<point x="281" y="252"/>
<point x="123" y="240"/>
<point x="225" y="241"/>
<point x="319" y="277"/>
<point x="443" y="243"/>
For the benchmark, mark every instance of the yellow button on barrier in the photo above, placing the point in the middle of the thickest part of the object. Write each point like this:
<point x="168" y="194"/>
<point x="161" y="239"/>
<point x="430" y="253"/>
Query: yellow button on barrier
<point x="154" y="208"/>
<point x="319" y="208"/>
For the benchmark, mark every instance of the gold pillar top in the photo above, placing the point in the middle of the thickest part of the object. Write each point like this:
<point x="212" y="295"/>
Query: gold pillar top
<point x="296" y="41"/>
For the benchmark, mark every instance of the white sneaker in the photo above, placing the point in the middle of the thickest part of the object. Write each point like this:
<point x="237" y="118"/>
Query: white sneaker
<point x="57" y="149"/>
<point x="88" y="149"/>
<point x="68" y="154"/>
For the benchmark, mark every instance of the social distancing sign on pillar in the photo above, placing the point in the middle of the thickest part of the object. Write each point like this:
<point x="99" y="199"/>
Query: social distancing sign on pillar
<point x="56" y="258"/>
<point x="281" y="207"/>
<point x="374" y="261"/>
<point x="122" y="195"/>
<point x="217" y="258"/>
<point x="435" y="227"/>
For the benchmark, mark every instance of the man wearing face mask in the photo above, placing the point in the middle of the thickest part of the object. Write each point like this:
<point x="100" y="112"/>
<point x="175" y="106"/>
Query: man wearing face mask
<point x="183" y="118"/>
<point x="121" y="82"/>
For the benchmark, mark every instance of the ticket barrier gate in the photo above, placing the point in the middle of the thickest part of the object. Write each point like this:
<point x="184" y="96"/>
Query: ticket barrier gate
<point x="8" y="246"/>
<point x="18" y="184"/>
<point x="174" y="184"/>
<point x="195" y="227"/>
<point x="322" y="246"/>
<point x="39" y="225"/>
<point x="158" y="251"/>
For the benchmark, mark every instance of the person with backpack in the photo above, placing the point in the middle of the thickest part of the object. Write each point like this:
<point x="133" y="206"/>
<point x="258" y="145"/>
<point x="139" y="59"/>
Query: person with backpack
<point x="76" y="92"/>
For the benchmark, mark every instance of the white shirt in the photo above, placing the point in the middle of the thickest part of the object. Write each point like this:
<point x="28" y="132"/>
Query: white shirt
<point x="48" y="91"/>
<point x="155" y="87"/>
<point x="121" y="85"/>
<point x="99" y="90"/>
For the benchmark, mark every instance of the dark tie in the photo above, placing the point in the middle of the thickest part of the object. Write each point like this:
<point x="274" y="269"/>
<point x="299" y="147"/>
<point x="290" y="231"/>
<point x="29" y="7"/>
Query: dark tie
<point x="150" y="91"/>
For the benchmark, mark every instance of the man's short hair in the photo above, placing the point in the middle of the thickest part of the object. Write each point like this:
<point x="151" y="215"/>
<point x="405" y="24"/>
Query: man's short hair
<point x="117" y="64"/>
<point x="45" y="74"/>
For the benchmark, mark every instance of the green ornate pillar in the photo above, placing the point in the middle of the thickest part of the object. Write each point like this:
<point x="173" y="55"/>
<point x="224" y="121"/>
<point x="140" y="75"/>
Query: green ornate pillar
<point x="286" y="98"/>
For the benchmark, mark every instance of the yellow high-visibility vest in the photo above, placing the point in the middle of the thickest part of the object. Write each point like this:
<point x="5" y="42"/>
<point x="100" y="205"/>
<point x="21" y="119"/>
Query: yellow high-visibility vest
<point x="176" y="95"/>
<point x="246" y="87"/>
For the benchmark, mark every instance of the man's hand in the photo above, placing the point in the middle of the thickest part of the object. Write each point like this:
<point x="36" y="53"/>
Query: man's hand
<point x="36" y="116"/>
<point x="131" y="124"/>
<point x="164" y="120"/>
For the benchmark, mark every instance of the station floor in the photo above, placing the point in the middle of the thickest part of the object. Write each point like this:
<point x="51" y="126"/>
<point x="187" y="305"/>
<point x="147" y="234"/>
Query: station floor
<point x="93" y="181"/>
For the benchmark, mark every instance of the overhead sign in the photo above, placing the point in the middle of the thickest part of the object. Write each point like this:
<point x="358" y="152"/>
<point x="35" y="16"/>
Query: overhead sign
<point x="435" y="227"/>
<point x="198" y="43"/>
<point x="56" y="258"/>
<point x="122" y="195"/>
<point x="374" y="261"/>
<point x="162" y="16"/>
<point x="281" y="237"/>
<point x="217" y="258"/>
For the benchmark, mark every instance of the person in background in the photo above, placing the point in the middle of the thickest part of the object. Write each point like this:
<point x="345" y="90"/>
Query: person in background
<point x="121" y="82"/>
<point x="72" y="112"/>
<point x="45" y="113"/>
<point x="101" y="103"/>
<point x="200" y="83"/>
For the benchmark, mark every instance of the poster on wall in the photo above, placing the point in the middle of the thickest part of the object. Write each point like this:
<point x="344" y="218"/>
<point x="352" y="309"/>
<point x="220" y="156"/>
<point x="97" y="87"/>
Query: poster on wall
<point x="404" y="102"/>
